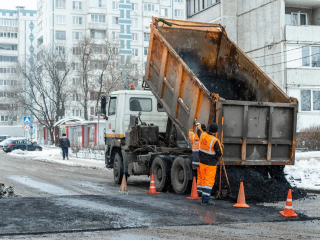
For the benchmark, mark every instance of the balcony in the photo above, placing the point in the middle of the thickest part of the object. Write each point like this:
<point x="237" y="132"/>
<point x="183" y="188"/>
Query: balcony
<point x="302" y="33"/>
<point x="208" y="13"/>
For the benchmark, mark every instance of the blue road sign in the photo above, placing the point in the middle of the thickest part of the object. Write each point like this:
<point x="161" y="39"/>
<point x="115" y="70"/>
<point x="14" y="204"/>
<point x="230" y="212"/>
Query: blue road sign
<point x="27" y="120"/>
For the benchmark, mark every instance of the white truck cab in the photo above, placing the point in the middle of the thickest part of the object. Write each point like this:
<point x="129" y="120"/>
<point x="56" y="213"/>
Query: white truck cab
<point x="122" y="104"/>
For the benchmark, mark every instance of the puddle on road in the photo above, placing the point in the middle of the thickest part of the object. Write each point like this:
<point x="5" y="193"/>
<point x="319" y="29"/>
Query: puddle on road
<point x="42" y="186"/>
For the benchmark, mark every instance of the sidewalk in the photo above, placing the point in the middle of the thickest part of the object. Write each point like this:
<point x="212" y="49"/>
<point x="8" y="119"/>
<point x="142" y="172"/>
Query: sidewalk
<point x="54" y="155"/>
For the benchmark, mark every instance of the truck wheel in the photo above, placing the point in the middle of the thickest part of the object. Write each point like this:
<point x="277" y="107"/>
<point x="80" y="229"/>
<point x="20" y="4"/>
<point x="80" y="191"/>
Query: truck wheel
<point x="180" y="175"/>
<point x="117" y="168"/>
<point x="160" y="169"/>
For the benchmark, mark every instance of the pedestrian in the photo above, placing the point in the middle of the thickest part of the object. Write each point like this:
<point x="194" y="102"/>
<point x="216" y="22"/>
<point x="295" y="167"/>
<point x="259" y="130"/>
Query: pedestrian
<point x="209" y="154"/>
<point x="64" y="143"/>
<point x="195" y="140"/>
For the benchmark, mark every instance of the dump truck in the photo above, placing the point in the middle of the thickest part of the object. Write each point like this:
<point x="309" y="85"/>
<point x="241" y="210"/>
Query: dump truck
<point x="195" y="72"/>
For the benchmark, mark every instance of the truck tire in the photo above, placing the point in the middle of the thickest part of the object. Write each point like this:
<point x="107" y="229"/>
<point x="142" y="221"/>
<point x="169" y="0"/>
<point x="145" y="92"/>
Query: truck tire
<point x="160" y="169"/>
<point x="117" y="168"/>
<point x="180" y="171"/>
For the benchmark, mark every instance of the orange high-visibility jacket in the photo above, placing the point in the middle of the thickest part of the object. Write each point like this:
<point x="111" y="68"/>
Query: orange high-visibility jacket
<point x="210" y="149"/>
<point x="194" y="139"/>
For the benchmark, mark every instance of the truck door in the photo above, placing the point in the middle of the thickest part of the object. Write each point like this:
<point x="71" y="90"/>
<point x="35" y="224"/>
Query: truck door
<point x="112" y="115"/>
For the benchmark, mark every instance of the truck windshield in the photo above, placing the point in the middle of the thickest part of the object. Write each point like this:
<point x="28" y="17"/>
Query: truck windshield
<point x="141" y="104"/>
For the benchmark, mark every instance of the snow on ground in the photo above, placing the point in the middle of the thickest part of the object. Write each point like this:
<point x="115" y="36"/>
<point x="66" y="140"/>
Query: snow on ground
<point x="54" y="155"/>
<point x="304" y="174"/>
<point x="306" y="171"/>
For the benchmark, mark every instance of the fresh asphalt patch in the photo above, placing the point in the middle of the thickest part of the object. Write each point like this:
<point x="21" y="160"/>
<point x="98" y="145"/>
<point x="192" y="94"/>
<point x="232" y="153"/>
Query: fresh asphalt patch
<point x="120" y="211"/>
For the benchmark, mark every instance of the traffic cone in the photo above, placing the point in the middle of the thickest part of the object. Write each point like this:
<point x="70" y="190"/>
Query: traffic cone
<point x="123" y="187"/>
<point x="241" y="198"/>
<point x="152" y="189"/>
<point x="194" y="190"/>
<point x="288" y="209"/>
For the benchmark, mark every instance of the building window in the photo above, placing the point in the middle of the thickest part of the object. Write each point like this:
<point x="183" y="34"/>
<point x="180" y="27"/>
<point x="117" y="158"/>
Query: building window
<point x="60" y="19"/>
<point x="8" y="58"/>
<point x="134" y="22"/>
<point x="60" y="50"/>
<point x="311" y="56"/>
<point x="76" y="50"/>
<point x="77" y="20"/>
<point x="40" y="26"/>
<point x="9" y="23"/>
<point x="134" y="36"/>
<point x="115" y="20"/>
<point x="164" y="12"/>
<point x="76" y="35"/>
<point x="148" y="7"/>
<point x="61" y="66"/>
<point x="115" y="5"/>
<point x="98" y="3"/>
<point x="98" y="34"/>
<point x="61" y="35"/>
<point x="135" y="51"/>
<point x="310" y="100"/>
<point x="134" y="6"/>
<point x="76" y="5"/>
<point x="178" y="13"/>
<point x="146" y="51"/>
<point x="60" y="3"/>
<point x="8" y="35"/>
<point x="98" y="18"/>
<point x="76" y="66"/>
<point x="40" y="11"/>
<point x="7" y="70"/>
<point x="178" y="1"/>
<point x="146" y="36"/>
<point x="76" y="97"/>
<point x="115" y="35"/>
<point x="92" y="128"/>
<point x="296" y="18"/>
<point x="76" y="81"/>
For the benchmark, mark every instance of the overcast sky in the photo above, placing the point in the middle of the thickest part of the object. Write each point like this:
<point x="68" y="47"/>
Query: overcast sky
<point x="11" y="4"/>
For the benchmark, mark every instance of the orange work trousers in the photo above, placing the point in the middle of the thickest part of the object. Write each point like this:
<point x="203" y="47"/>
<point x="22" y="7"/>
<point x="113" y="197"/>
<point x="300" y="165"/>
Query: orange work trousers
<point x="208" y="176"/>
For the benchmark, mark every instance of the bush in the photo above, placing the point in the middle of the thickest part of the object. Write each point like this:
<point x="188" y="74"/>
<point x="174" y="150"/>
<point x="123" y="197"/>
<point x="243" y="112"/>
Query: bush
<point x="309" y="138"/>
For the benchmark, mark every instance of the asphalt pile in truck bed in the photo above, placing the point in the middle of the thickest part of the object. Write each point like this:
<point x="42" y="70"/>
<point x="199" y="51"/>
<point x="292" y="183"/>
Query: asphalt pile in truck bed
<point x="259" y="184"/>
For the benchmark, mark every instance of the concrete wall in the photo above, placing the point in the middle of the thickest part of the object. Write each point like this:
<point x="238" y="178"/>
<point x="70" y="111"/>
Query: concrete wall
<point x="316" y="16"/>
<point x="303" y="77"/>
<point x="309" y="33"/>
<point x="260" y="35"/>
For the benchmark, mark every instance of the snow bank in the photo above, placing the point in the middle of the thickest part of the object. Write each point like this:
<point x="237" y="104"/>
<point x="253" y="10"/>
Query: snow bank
<point x="306" y="171"/>
<point x="54" y="155"/>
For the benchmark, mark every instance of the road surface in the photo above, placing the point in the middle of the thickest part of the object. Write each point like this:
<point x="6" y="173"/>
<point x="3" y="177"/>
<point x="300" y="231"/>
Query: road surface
<point x="55" y="201"/>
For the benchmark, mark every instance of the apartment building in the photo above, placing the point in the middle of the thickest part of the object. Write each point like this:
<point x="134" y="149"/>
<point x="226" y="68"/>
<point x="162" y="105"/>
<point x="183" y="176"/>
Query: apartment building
<point x="17" y="35"/>
<point x="281" y="37"/>
<point x="126" y="21"/>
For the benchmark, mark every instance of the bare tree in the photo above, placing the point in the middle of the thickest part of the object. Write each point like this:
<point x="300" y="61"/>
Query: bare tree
<point x="46" y="74"/>
<point x="101" y="70"/>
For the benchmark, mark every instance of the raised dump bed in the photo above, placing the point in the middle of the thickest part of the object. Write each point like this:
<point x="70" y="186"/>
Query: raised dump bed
<point x="197" y="72"/>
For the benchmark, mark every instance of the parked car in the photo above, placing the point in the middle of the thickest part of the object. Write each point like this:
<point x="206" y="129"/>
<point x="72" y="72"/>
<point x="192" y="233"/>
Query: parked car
<point x="4" y="137"/>
<point x="18" y="143"/>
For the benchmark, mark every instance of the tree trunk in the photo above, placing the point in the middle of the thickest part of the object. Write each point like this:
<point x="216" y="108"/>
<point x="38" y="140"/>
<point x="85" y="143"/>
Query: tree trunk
<point x="51" y="136"/>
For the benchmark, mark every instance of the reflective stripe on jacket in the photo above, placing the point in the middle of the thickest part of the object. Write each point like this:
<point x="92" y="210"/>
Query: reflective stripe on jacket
<point x="194" y="139"/>
<point x="210" y="149"/>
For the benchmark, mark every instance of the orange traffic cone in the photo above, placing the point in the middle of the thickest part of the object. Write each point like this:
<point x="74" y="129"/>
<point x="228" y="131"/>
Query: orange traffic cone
<point x="241" y="198"/>
<point x="152" y="189"/>
<point x="123" y="187"/>
<point x="194" y="191"/>
<point x="288" y="209"/>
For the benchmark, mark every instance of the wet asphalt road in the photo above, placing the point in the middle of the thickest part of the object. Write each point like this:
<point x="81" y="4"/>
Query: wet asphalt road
<point x="54" y="198"/>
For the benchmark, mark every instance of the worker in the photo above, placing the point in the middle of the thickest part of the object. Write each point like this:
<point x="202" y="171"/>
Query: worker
<point x="194" y="139"/>
<point x="210" y="152"/>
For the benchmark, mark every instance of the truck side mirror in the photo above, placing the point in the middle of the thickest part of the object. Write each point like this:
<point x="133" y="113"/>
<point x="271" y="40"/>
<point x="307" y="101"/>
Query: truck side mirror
<point x="103" y="105"/>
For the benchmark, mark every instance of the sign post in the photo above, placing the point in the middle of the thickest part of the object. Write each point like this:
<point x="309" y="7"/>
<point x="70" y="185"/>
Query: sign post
<point x="27" y="127"/>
